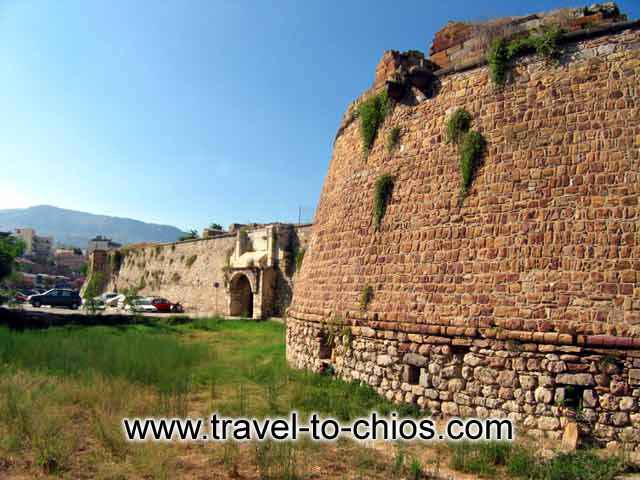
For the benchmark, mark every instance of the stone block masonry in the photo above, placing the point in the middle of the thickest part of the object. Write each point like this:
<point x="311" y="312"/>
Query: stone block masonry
<point x="521" y="299"/>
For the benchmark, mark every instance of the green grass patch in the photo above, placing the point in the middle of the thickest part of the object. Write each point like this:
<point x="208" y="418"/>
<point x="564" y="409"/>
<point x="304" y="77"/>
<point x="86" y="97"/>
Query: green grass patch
<point x="382" y="193"/>
<point x="489" y="459"/>
<point x="372" y="113"/>
<point x="143" y="354"/>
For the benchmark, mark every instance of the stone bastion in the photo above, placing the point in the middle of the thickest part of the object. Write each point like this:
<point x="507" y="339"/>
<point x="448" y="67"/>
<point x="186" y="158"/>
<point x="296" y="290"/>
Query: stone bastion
<point x="517" y="295"/>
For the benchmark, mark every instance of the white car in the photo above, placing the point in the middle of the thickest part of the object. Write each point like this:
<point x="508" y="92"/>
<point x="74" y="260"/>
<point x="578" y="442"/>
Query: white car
<point x="142" y="305"/>
<point x="115" y="301"/>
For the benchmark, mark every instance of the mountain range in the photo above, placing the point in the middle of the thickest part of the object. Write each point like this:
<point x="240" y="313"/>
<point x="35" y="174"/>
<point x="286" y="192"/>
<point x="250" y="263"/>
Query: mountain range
<point x="73" y="228"/>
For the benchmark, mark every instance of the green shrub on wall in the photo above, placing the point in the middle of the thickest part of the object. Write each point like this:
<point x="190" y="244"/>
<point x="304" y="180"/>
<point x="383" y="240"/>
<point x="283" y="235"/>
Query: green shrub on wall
<point x="457" y="125"/>
<point x="471" y="150"/>
<point x="372" y="113"/>
<point x="546" y="44"/>
<point x="382" y="193"/>
<point x="393" y="139"/>
<point x="191" y="260"/>
<point x="299" y="258"/>
<point x="471" y="145"/>
<point x="365" y="297"/>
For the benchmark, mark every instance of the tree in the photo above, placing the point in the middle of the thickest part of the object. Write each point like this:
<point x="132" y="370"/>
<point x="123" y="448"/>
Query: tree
<point x="94" y="287"/>
<point x="10" y="248"/>
<point x="216" y="226"/>
<point x="191" y="235"/>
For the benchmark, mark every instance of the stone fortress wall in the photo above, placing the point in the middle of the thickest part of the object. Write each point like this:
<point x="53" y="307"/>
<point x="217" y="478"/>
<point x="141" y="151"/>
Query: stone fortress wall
<point x="198" y="273"/>
<point x="520" y="300"/>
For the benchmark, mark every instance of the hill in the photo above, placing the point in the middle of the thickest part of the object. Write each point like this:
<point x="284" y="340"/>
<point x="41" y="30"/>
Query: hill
<point x="70" y="227"/>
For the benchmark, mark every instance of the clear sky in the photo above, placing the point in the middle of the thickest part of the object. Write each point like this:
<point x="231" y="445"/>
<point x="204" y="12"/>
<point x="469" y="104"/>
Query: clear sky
<point x="188" y="112"/>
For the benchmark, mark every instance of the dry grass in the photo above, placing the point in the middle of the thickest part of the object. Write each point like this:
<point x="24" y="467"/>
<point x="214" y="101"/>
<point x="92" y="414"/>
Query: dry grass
<point x="65" y="422"/>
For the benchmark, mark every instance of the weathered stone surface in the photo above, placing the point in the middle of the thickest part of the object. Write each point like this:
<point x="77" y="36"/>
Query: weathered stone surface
<point x="384" y="360"/>
<point x="415" y="360"/>
<point x="570" y="437"/>
<point x="507" y="378"/>
<point x="543" y="395"/>
<point x="548" y="423"/>
<point x="582" y="379"/>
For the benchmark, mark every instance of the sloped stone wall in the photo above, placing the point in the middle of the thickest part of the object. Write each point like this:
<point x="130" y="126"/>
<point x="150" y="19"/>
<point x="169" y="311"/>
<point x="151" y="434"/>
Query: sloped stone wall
<point x="543" y="252"/>
<point x="186" y="272"/>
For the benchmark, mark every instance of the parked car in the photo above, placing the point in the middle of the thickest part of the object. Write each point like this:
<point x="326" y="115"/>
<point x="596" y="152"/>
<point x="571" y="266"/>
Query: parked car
<point x="162" y="304"/>
<point x="115" y="301"/>
<point x="20" y="297"/>
<point x="142" y="305"/>
<point x="108" y="296"/>
<point x="58" y="297"/>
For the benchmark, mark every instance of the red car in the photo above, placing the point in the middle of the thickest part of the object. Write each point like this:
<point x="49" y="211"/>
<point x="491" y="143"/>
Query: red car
<point x="162" y="304"/>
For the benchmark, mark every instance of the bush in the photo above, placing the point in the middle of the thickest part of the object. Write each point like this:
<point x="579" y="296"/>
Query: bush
<point x="372" y="113"/>
<point x="471" y="151"/>
<point x="393" y="138"/>
<point x="457" y="125"/>
<point x="382" y="193"/>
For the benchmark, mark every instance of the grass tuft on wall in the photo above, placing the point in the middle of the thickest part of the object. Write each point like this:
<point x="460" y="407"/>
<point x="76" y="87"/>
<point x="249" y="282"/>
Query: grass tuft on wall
<point x="545" y="44"/>
<point x="366" y="295"/>
<point x="372" y="113"/>
<point x="458" y="124"/>
<point x="382" y="193"/>
<point x="393" y="138"/>
<point x="471" y="150"/>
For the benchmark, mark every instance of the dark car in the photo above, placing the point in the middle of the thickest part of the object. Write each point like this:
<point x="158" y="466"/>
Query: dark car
<point x="58" y="297"/>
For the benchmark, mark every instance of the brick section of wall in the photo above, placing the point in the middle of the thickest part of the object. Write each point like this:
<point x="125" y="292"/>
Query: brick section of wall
<point x="547" y="239"/>
<point x="459" y="43"/>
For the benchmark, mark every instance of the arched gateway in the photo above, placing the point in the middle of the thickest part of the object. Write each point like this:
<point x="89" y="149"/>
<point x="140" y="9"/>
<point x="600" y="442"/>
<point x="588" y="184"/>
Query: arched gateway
<point x="241" y="297"/>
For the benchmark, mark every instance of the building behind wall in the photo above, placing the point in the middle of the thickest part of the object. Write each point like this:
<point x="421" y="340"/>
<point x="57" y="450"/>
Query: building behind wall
<point x="520" y="299"/>
<point x="36" y="246"/>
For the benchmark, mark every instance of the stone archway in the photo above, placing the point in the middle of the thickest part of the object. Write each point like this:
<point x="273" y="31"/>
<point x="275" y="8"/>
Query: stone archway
<point x="241" y="297"/>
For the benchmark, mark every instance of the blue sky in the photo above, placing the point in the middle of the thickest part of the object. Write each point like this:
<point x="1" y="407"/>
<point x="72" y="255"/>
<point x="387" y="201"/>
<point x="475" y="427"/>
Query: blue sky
<point x="189" y="112"/>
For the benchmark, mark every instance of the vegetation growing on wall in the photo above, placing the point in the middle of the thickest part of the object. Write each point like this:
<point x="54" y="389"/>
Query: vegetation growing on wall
<point x="372" y="113"/>
<point x="457" y="125"/>
<point x="471" y="145"/>
<point x="382" y="193"/>
<point x="191" y="260"/>
<point x="115" y="261"/>
<point x="299" y="258"/>
<point x="471" y="151"/>
<point x="502" y="51"/>
<point x="366" y="295"/>
<point x="393" y="138"/>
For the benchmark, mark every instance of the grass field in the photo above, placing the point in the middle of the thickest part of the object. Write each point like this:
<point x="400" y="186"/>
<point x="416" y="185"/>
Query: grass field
<point x="64" y="391"/>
